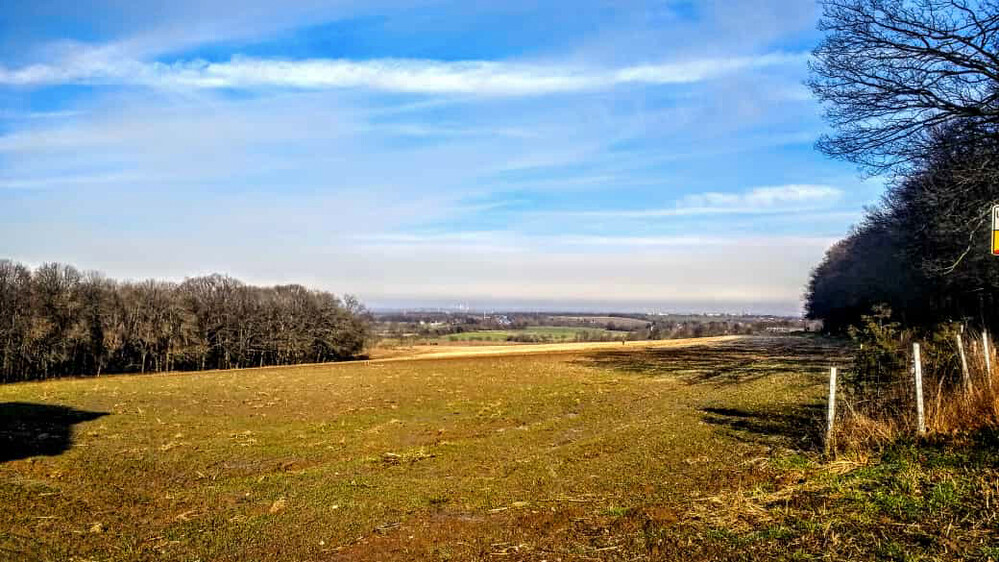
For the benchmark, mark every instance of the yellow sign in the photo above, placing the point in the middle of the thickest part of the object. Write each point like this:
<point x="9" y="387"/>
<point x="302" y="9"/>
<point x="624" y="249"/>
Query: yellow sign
<point x="995" y="230"/>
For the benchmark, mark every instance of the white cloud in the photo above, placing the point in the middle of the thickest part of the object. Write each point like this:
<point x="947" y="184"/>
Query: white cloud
<point x="703" y="69"/>
<point x="48" y="182"/>
<point x="102" y="66"/>
<point x="760" y="200"/>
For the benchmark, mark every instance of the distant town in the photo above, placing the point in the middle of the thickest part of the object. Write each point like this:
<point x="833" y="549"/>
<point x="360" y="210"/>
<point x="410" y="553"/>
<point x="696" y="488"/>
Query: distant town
<point x="465" y="325"/>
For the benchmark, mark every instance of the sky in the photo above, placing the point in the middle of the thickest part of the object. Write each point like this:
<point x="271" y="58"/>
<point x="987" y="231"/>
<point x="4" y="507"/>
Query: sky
<point x="587" y="155"/>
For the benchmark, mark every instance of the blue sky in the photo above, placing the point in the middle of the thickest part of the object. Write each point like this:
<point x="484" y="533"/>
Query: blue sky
<point x="590" y="155"/>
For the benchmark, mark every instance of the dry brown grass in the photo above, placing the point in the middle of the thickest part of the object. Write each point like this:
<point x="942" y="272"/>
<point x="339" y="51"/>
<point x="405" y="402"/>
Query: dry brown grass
<point x="952" y="404"/>
<point x="960" y="407"/>
<point x="857" y="431"/>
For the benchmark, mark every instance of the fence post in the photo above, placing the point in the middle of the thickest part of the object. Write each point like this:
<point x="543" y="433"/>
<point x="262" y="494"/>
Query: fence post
<point x="918" y="370"/>
<point x="988" y="356"/>
<point x="964" y="364"/>
<point x="832" y="409"/>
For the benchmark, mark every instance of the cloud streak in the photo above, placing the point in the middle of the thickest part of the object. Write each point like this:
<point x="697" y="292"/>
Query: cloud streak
<point x="759" y="200"/>
<point x="512" y="241"/>
<point x="417" y="76"/>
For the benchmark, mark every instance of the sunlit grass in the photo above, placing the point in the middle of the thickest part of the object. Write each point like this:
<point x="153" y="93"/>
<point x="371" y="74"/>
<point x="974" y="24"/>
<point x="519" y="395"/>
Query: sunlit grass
<point x="598" y="454"/>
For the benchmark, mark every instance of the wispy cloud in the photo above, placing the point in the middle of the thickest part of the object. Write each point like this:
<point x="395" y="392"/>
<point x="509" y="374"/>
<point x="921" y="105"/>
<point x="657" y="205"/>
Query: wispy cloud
<point x="760" y="200"/>
<point x="391" y="75"/>
<point x="37" y="114"/>
<point x="514" y="242"/>
<point x="49" y="182"/>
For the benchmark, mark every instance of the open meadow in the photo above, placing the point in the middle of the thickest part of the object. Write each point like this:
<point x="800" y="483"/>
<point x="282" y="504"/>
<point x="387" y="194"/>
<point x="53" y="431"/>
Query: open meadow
<point x="698" y="449"/>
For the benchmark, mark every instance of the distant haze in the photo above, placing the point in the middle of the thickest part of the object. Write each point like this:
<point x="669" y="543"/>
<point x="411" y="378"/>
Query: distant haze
<point x="774" y="309"/>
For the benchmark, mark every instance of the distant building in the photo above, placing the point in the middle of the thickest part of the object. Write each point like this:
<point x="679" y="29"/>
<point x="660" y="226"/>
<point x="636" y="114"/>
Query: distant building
<point x="784" y="329"/>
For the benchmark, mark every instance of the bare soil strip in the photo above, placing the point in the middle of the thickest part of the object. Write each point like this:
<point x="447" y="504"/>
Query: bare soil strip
<point x="448" y="352"/>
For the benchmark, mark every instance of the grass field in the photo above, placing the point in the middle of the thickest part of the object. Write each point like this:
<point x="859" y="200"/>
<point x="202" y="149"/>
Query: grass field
<point x="547" y="332"/>
<point x="621" y="322"/>
<point x="673" y="452"/>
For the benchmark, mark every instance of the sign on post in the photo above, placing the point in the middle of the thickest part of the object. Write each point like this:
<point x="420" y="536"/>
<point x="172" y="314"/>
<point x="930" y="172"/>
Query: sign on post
<point x="995" y="230"/>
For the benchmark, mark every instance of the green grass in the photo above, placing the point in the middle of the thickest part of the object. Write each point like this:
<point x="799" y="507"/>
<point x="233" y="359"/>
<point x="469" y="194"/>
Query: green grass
<point x="672" y="453"/>
<point x="927" y="501"/>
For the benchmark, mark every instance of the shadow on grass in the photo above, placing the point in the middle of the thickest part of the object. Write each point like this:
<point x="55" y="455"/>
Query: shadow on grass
<point x="741" y="362"/>
<point x="799" y="427"/>
<point x="734" y="362"/>
<point x="28" y="430"/>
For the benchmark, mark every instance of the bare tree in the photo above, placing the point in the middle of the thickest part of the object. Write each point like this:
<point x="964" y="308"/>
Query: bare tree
<point x="893" y="73"/>
<point x="15" y="318"/>
<point x="55" y="321"/>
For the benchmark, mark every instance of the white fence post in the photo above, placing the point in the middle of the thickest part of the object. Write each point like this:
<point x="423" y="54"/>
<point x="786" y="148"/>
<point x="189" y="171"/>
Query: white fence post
<point x="988" y="356"/>
<point x="832" y="409"/>
<point x="918" y="370"/>
<point x="964" y="364"/>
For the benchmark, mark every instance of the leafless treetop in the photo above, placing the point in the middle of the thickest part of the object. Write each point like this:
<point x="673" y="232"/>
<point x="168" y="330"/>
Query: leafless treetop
<point x="892" y="73"/>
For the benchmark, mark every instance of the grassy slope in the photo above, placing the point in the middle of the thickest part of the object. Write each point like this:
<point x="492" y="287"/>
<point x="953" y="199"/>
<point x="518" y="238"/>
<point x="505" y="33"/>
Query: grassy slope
<point x="652" y="452"/>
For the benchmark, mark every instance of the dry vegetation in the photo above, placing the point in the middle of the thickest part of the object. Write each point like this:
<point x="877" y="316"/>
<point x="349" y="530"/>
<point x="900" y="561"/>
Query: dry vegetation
<point x="674" y="452"/>
<point x="879" y="403"/>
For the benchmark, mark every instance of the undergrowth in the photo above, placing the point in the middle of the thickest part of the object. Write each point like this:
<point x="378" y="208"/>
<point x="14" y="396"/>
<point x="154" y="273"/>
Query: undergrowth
<point x="912" y="501"/>
<point x="879" y="396"/>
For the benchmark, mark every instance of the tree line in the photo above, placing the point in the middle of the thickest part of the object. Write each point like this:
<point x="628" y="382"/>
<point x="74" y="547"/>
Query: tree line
<point x="912" y="90"/>
<point x="924" y="251"/>
<point x="57" y="321"/>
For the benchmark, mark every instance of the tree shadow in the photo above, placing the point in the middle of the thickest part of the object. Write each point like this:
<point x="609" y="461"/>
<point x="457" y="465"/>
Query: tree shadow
<point x="798" y="427"/>
<point x="735" y="362"/>
<point x="28" y="430"/>
<point x="742" y="361"/>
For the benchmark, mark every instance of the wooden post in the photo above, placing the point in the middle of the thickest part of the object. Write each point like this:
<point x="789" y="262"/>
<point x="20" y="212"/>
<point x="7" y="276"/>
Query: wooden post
<point x="832" y="409"/>
<point x="988" y="356"/>
<point x="964" y="364"/>
<point x="918" y="370"/>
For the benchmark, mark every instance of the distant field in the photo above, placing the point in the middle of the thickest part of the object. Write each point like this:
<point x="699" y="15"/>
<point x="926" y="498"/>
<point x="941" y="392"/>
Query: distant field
<point x="549" y="332"/>
<point x="620" y="323"/>
<point x="664" y="450"/>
